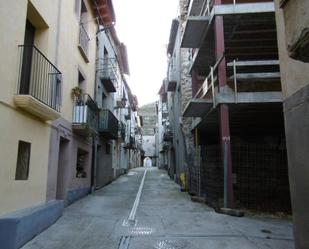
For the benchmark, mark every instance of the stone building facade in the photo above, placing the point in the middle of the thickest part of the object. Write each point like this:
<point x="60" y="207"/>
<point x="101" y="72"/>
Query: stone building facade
<point x="175" y="93"/>
<point x="148" y="113"/>
<point x="292" y="24"/>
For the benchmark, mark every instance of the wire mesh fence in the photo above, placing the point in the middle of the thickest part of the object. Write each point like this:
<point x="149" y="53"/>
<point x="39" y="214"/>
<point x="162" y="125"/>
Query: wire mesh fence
<point x="260" y="176"/>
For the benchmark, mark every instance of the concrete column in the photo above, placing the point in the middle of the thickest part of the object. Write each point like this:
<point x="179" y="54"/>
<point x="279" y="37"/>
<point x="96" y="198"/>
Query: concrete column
<point x="224" y="113"/>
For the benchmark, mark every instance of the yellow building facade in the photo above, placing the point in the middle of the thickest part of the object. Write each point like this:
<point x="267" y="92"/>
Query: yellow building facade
<point x="18" y="124"/>
<point x="52" y="31"/>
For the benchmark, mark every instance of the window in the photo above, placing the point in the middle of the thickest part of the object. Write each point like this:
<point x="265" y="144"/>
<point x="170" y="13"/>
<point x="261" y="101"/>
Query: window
<point x="23" y="160"/>
<point x="107" y="149"/>
<point x="103" y="99"/>
<point x="80" y="163"/>
<point x="105" y="58"/>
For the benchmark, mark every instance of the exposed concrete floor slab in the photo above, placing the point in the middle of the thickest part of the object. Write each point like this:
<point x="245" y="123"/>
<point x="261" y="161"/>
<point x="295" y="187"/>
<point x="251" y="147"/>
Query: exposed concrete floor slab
<point x="165" y="219"/>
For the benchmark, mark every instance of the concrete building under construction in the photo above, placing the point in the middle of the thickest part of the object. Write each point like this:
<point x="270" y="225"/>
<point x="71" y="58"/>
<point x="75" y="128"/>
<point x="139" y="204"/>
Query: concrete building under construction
<point x="238" y="156"/>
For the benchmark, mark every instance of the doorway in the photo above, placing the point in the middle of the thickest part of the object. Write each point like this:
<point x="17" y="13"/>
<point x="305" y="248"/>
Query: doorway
<point x="27" y="59"/>
<point x="62" y="163"/>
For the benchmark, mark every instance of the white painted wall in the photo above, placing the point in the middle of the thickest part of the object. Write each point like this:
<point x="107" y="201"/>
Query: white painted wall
<point x="149" y="145"/>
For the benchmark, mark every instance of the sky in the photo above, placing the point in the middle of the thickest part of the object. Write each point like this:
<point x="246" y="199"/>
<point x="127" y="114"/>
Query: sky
<point x="144" y="26"/>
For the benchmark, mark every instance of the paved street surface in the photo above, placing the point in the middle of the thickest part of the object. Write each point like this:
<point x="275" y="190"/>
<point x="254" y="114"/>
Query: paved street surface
<point x="165" y="219"/>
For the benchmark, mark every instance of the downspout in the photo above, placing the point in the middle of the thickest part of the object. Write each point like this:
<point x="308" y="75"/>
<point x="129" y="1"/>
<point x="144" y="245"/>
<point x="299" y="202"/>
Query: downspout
<point x="58" y="32"/>
<point x="93" y="165"/>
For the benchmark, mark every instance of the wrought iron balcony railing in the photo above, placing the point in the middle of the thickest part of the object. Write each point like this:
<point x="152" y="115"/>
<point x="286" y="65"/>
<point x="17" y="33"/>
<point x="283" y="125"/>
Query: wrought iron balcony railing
<point x="122" y="128"/>
<point x="108" y="124"/>
<point x="167" y="136"/>
<point x="83" y="42"/>
<point x="171" y="77"/>
<point x="85" y="112"/>
<point x="109" y="74"/>
<point x="38" y="77"/>
<point x="128" y="115"/>
<point x="131" y="143"/>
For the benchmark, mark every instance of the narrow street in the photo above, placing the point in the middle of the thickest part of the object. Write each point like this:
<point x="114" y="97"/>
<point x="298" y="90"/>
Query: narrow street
<point x="165" y="218"/>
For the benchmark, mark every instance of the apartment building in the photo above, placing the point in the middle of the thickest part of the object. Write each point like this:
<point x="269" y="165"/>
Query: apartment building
<point x="162" y="126"/>
<point x="292" y="25"/>
<point x="62" y="134"/>
<point x="111" y="98"/>
<point x="71" y="141"/>
<point x="27" y="103"/>
<point x="229" y="130"/>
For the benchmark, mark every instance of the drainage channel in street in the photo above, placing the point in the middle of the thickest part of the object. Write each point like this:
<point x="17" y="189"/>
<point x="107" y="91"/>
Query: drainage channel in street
<point x="131" y="221"/>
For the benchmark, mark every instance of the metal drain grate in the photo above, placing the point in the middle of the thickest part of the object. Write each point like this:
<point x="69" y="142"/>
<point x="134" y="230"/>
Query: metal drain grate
<point x="170" y="244"/>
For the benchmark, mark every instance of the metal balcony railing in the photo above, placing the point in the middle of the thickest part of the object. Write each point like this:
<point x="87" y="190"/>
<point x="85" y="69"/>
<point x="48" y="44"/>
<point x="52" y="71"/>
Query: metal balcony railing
<point x="210" y="83"/>
<point x="167" y="136"/>
<point x="83" y="39"/>
<point x="122" y="129"/>
<point x="110" y="73"/>
<point x="172" y="71"/>
<point x="260" y="74"/>
<point x="85" y="112"/>
<point x="200" y="8"/>
<point x="128" y="115"/>
<point x="207" y="6"/>
<point x="131" y="143"/>
<point x="108" y="124"/>
<point x="172" y="77"/>
<point x="38" y="77"/>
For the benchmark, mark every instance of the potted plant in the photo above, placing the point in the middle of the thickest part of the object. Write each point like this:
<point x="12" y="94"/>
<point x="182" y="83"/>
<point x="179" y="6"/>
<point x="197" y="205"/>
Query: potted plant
<point x="76" y="92"/>
<point x="79" y="109"/>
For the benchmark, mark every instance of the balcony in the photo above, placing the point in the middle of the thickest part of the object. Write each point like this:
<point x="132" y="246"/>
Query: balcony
<point x="131" y="144"/>
<point x="85" y="116"/>
<point x="122" y="129"/>
<point x="202" y="14"/>
<point x="39" y="84"/>
<point x="128" y="115"/>
<point x="167" y="136"/>
<point x="172" y="77"/>
<point x="121" y="103"/>
<point x="164" y="147"/>
<point x="83" y="42"/>
<point x="109" y="75"/>
<point x="108" y="124"/>
<point x="248" y="82"/>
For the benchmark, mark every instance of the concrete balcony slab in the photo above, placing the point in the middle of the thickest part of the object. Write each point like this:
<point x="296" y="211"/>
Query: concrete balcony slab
<point x="197" y="108"/>
<point x="195" y="31"/>
<point x="36" y="107"/>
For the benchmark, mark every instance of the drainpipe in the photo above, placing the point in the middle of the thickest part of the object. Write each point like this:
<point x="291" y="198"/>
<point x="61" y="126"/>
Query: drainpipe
<point x="58" y="32"/>
<point x="93" y="165"/>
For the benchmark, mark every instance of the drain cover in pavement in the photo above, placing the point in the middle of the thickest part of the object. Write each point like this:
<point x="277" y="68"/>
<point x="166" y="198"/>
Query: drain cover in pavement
<point x="170" y="244"/>
<point x="141" y="231"/>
